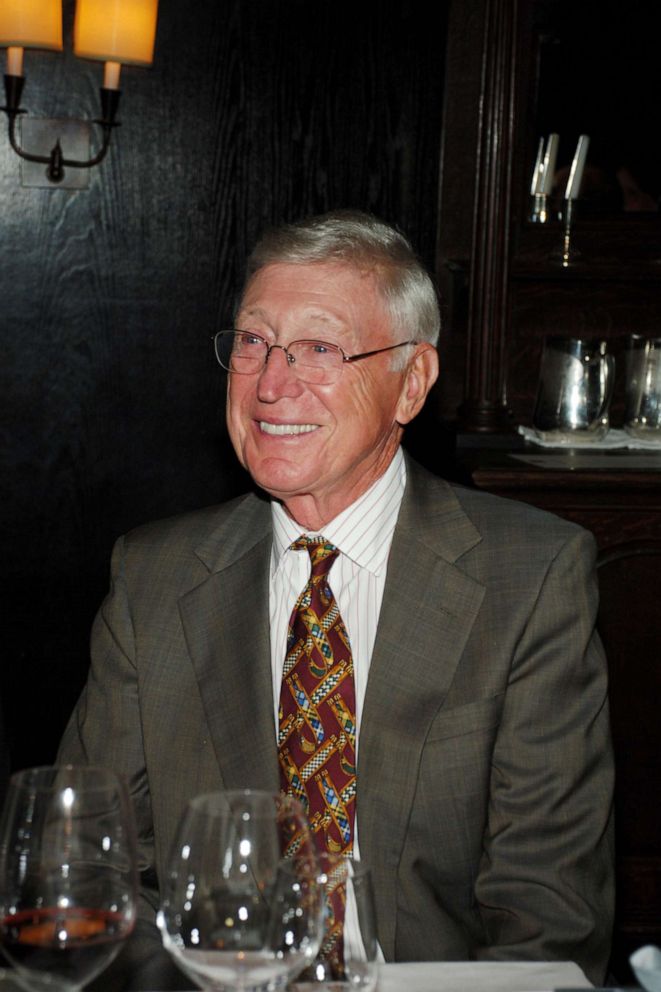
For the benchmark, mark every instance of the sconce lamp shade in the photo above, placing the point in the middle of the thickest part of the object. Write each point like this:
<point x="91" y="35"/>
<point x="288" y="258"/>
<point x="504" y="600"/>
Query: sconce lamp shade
<point x="31" y="23"/>
<point x="116" y="30"/>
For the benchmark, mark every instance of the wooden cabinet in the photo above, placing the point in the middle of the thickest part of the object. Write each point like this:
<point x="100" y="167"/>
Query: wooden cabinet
<point x="502" y="289"/>
<point x="611" y="291"/>
<point x="616" y="495"/>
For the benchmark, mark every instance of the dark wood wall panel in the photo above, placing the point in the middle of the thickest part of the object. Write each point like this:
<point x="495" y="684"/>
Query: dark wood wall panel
<point x="256" y="111"/>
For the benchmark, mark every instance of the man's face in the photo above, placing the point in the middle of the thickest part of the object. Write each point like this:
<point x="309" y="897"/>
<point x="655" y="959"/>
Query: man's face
<point x="316" y="448"/>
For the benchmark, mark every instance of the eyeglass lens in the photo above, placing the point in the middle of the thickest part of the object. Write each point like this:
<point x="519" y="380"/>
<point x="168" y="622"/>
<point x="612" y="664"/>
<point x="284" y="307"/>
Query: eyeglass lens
<point x="312" y="361"/>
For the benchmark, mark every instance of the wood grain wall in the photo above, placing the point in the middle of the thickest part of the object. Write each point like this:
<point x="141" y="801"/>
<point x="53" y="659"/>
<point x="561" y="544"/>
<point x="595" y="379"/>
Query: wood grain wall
<point x="256" y="111"/>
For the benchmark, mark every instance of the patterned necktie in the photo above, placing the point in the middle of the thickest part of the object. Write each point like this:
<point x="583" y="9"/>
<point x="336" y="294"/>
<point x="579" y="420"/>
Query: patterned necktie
<point x="317" y="719"/>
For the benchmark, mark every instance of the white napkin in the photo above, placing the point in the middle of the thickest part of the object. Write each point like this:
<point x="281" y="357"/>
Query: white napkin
<point x="646" y="964"/>
<point x="613" y="439"/>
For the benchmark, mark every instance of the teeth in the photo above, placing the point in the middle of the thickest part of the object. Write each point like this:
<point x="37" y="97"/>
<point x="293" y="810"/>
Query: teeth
<point x="286" y="428"/>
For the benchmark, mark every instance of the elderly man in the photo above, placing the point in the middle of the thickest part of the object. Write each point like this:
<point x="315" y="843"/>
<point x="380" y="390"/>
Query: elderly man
<point x="470" y="762"/>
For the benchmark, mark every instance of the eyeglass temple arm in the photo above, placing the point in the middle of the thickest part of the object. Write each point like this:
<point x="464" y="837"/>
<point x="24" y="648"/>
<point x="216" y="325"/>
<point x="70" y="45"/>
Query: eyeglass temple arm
<point x="377" y="351"/>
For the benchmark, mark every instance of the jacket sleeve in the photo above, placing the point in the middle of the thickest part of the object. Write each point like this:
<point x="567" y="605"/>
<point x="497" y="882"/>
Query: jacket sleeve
<point x="545" y="881"/>
<point x="105" y="729"/>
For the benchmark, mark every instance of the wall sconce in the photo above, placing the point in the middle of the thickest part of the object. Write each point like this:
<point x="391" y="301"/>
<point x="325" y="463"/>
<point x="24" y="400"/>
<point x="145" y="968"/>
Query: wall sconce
<point x="112" y="31"/>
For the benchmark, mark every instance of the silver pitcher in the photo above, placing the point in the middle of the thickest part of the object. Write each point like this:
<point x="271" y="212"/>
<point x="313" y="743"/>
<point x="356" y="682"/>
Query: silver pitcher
<point x="575" y="388"/>
<point x="642" y="412"/>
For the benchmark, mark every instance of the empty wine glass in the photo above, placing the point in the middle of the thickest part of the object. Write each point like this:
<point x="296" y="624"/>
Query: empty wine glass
<point x="347" y="959"/>
<point x="68" y="876"/>
<point x="242" y="907"/>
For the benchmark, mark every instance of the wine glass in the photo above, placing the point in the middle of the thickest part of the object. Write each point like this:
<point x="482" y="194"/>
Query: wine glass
<point x="347" y="958"/>
<point x="68" y="878"/>
<point x="242" y="907"/>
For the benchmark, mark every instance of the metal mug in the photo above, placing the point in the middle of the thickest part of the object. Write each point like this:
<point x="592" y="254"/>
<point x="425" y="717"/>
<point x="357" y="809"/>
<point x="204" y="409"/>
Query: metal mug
<point x="642" y="411"/>
<point x="575" y="388"/>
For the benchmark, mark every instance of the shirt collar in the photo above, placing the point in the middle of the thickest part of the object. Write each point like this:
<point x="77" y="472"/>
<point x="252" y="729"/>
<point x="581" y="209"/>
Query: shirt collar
<point x="363" y="531"/>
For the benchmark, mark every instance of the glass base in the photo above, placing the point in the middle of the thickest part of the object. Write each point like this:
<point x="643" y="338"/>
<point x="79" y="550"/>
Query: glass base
<point x="644" y="432"/>
<point x="571" y="437"/>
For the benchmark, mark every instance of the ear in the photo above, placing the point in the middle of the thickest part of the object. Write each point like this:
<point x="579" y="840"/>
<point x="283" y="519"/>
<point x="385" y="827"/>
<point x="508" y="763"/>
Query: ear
<point x="421" y="374"/>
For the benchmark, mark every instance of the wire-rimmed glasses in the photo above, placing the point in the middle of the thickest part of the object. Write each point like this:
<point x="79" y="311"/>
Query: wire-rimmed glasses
<point x="316" y="362"/>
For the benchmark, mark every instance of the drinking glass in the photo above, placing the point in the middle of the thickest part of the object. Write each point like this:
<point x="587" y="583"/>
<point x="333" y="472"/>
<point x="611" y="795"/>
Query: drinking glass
<point x="575" y="387"/>
<point x="347" y="960"/>
<point x="68" y="878"/>
<point x="242" y="905"/>
<point x="642" y="417"/>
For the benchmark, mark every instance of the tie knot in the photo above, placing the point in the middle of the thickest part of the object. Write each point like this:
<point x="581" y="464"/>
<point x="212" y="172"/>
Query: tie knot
<point x="322" y="554"/>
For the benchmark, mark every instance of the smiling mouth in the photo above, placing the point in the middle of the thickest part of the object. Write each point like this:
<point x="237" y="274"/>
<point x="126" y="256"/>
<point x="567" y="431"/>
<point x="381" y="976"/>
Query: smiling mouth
<point x="286" y="429"/>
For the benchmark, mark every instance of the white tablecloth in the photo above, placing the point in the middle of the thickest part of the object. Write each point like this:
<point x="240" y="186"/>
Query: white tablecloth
<point x="432" y="976"/>
<point x="497" y="976"/>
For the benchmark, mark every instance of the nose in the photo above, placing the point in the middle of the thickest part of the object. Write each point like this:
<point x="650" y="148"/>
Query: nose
<point x="277" y="379"/>
<point x="282" y="347"/>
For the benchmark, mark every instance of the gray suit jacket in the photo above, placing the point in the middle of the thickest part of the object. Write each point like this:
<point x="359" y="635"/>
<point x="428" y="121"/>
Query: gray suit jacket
<point x="485" y="771"/>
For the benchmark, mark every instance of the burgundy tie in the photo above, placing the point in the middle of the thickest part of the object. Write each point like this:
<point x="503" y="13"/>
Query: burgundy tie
<point x="317" y="718"/>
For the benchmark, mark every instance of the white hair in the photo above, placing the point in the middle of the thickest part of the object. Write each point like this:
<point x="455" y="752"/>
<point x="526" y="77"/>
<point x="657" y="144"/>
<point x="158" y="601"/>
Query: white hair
<point x="358" y="239"/>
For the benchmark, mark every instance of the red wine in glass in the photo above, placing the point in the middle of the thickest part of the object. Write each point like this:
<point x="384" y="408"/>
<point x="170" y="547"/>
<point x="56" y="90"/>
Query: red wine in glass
<point x="67" y="875"/>
<point x="74" y="944"/>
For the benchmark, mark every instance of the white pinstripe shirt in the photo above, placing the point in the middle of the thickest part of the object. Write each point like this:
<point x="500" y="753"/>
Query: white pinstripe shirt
<point x="363" y="533"/>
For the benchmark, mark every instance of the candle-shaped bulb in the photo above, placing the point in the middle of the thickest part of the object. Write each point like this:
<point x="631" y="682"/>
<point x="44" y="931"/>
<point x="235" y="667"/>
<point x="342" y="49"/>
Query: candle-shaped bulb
<point x="111" y="73"/>
<point x="578" y="165"/>
<point x="14" y="61"/>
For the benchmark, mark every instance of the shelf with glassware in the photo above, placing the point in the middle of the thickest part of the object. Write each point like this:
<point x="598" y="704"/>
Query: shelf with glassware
<point x="605" y="249"/>
<point x="595" y="299"/>
<point x="565" y="232"/>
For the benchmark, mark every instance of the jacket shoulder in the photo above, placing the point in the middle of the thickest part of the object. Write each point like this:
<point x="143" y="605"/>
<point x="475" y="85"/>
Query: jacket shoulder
<point x="486" y="507"/>
<point x="484" y="518"/>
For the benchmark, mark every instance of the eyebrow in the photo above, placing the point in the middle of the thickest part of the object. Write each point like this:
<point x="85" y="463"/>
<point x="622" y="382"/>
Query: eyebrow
<point x="314" y="315"/>
<point x="252" y="312"/>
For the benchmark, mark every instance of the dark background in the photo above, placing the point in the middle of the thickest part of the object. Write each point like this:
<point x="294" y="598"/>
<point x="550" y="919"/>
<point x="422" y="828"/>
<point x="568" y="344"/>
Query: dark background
<point x="255" y="112"/>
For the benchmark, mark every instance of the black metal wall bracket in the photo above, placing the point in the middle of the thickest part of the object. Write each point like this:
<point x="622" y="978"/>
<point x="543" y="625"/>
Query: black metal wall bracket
<point x="56" y="162"/>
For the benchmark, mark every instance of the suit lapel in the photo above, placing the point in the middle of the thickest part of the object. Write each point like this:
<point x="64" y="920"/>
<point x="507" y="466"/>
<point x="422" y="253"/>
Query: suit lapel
<point x="428" y="609"/>
<point x="226" y="626"/>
